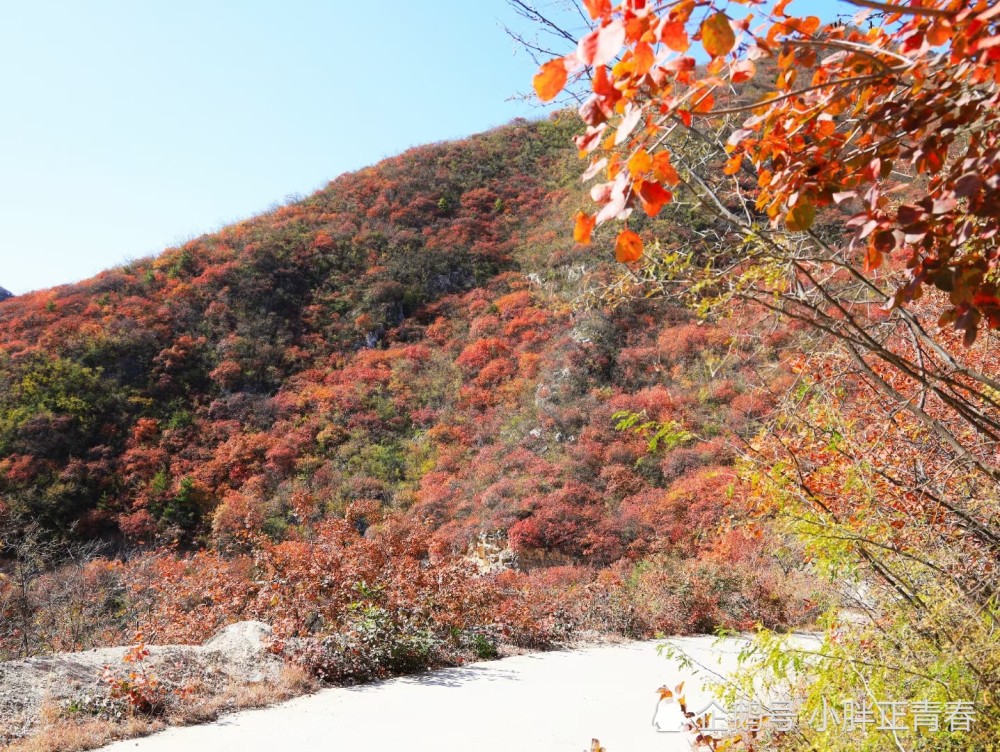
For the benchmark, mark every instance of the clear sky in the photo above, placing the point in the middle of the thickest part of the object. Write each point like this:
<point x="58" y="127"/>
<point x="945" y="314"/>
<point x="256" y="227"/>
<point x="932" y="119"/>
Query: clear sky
<point x="128" y="127"/>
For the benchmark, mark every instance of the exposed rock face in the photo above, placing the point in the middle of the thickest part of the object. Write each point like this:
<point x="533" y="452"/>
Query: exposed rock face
<point x="5" y="293"/>
<point x="242" y="650"/>
<point x="237" y="654"/>
<point x="492" y="553"/>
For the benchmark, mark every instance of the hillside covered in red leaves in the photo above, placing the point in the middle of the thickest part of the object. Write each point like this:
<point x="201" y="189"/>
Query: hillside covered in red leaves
<point x="402" y="360"/>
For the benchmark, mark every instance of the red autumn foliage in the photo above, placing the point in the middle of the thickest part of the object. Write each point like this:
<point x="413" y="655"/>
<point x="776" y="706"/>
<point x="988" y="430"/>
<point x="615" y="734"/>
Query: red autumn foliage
<point x="312" y="418"/>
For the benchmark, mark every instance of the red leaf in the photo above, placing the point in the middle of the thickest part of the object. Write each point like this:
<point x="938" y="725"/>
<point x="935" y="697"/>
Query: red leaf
<point x="884" y="241"/>
<point x="601" y="45"/>
<point x="591" y="112"/>
<point x="742" y="71"/>
<point x="588" y="141"/>
<point x="988" y="43"/>
<point x="908" y="214"/>
<point x="943" y="205"/>
<point x="704" y="103"/>
<point x="968" y="185"/>
<point x="654" y="196"/>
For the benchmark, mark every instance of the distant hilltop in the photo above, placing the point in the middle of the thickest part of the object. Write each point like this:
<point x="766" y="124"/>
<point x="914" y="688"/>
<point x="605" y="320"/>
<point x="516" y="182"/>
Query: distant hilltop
<point x="5" y="293"/>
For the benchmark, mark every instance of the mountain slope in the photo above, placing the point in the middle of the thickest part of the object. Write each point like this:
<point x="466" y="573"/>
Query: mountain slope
<point x="401" y="350"/>
<point x="197" y="344"/>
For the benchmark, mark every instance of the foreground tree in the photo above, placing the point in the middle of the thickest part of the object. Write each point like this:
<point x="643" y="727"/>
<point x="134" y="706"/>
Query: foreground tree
<point x="850" y="173"/>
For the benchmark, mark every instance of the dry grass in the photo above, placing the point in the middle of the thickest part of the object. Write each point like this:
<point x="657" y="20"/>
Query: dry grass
<point x="292" y="682"/>
<point x="60" y="732"/>
<point x="71" y="735"/>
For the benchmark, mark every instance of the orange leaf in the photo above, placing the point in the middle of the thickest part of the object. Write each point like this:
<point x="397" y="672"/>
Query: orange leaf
<point x="604" y="87"/>
<point x="810" y="24"/>
<point x="640" y="163"/>
<point x="654" y="196"/>
<point x="674" y="35"/>
<point x="717" y="35"/>
<point x="786" y="79"/>
<point x="598" y="8"/>
<point x="628" y="247"/>
<point x="733" y="164"/>
<point x="643" y="58"/>
<point x="939" y="33"/>
<point x="636" y="26"/>
<point x="550" y="79"/>
<point x="873" y="258"/>
<point x="584" y="227"/>
<point x="704" y="103"/>
<point x="614" y="166"/>
<point x="805" y="26"/>
<point x="663" y="170"/>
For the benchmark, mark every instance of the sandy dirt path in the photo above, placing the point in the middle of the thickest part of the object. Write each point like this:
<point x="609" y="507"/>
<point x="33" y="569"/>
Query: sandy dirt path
<point x="543" y="702"/>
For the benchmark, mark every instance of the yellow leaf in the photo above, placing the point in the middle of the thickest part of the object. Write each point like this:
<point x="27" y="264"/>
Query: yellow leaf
<point x="800" y="217"/>
<point x="640" y="163"/>
<point x="717" y="35"/>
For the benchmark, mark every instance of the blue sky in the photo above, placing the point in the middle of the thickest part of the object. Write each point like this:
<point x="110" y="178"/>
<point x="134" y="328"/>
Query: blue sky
<point x="129" y="127"/>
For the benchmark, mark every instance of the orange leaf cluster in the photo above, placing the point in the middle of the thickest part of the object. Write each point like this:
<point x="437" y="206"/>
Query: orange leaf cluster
<point x="824" y="129"/>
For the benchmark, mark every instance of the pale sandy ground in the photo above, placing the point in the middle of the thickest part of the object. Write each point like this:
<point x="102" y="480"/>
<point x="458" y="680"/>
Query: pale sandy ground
<point x="543" y="702"/>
